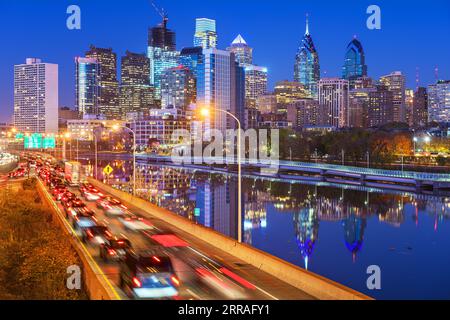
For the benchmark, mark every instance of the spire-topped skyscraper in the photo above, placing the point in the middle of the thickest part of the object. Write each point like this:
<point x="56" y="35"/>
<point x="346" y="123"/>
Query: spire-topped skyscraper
<point x="307" y="67"/>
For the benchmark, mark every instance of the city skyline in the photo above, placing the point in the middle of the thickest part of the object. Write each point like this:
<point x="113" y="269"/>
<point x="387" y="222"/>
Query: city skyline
<point x="279" y="65"/>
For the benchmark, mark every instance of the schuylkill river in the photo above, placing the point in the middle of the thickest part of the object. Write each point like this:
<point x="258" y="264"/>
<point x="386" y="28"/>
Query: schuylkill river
<point x="331" y="230"/>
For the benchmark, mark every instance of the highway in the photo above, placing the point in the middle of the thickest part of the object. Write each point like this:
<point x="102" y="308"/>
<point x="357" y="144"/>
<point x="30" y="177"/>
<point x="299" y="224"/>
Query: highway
<point x="205" y="273"/>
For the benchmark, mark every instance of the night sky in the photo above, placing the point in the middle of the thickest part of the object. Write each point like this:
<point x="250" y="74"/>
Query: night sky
<point x="414" y="34"/>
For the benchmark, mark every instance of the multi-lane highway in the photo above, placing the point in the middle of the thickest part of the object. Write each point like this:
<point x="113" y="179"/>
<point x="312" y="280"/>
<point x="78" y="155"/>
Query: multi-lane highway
<point x="204" y="271"/>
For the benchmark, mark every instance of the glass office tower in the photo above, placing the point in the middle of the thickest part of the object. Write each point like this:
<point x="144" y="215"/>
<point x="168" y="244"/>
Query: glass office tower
<point x="205" y="33"/>
<point x="355" y="62"/>
<point x="86" y="86"/>
<point x="307" y="67"/>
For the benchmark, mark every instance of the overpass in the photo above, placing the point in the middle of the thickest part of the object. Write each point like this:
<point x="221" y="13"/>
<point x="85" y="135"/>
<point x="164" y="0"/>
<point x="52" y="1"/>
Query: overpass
<point x="292" y="170"/>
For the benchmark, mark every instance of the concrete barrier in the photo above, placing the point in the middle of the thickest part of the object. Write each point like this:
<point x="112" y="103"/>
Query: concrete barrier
<point x="311" y="283"/>
<point x="94" y="281"/>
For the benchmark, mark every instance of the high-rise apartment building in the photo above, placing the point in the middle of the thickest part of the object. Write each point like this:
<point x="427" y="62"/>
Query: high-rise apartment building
<point x="420" y="108"/>
<point x="267" y="103"/>
<point x="216" y="87"/>
<point x="178" y="88"/>
<point x="255" y="84"/>
<point x="162" y="53"/>
<point x="307" y="67"/>
<point x="205" y="33"/>
<point x="381" y="107"/>
<point x="334" y="100"/>
<point x="395" y="82"/>
<point x="305" y="112"/>
<point x="286" y="92"/>
<point x="355" y="62"/>
<point x="36" y="97"/>
<point x="108" y="92"/>
<point x="439" y="102"/>
<point x="136" y="94"/>
<point x="87" y="87"/>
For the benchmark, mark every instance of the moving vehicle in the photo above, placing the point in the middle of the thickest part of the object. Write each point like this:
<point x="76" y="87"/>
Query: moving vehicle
<point x="72" y="173"/>
<point x="135" y="223"/>
<point x="114" y="249"/>
<point x="111" y="206"/>
<point x="148" y="275"/>
<point x="90" y="193"/>
<point x="96" y="235"/>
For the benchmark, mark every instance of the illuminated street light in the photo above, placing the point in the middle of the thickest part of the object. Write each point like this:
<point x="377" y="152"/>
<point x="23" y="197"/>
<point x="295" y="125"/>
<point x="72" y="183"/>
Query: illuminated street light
<point x="116" y="127"/>
<point x="205" y="112"/>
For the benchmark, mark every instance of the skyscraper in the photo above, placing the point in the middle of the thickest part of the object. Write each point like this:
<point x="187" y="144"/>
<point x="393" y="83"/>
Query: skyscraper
<point x="395" y="82"/>
<point x="190" y="58"/>
<point x="307" y="67"/>
<point x="381" y="106"/>
<point x="36" y="97"/>
<point x="162" y="53"/>
<point x="287" y="92"/>
<point x="87" y="87"/>
<point x="242" y="51"/>
<point x="334" y="100"/>
<point x="136" y="94"/>
<point x="178" y="88"/>
<point x="108" y="98"/>
<point x="420" y="108"/>
<point x="216" y="87"/>
<point x="205" y="33"/>
<point x="355" y="62"/>
<point x="255" y="84"/>
<point x="439" y="102"/>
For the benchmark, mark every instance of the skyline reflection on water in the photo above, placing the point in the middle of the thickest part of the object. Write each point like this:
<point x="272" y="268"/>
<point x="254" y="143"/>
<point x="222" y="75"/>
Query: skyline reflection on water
<point x="332" y="231"/>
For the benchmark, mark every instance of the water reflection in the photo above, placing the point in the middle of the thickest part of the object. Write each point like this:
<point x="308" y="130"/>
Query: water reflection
<point x="278" y="214"/>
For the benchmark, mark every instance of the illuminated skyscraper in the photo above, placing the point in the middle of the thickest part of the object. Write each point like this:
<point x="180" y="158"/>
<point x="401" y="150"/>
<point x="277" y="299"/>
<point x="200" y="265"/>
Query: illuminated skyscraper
<point x="381" y="107"/>
<point x="334" y="99"/>
<point x="178" y="88"/>
<point x="439" y="102"/>
<point x="242" y="51"/>
<point x="36" y="97"/>
<point x="191" y="57"/>
<point x="108" y="98"/>
<point x="136" y="94"/>
<point x="287" y="92"/>
<point x="162" y="53"/>
<point x="205" y="33"/>
<point x="87" y="86"/>
<point x="307" y="67"/>
<point x="420" y="108"/>
<point x="255" y="84"/>
<point x="355" y="62"/>
<point x="395" y="82"/>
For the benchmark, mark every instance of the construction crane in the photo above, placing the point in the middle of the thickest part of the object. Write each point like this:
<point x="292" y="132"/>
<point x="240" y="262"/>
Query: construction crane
<point x="161" y="12"/>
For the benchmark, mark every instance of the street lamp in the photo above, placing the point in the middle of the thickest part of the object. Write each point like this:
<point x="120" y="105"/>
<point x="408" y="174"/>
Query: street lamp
<point x="415" y="140"/>
<point x="116" y="127"/>
<point x="205" y="112"/>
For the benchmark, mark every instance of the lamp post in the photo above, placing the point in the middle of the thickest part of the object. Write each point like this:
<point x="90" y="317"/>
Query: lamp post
<point x="117" y="127"/>
<point x="206" y="112"/>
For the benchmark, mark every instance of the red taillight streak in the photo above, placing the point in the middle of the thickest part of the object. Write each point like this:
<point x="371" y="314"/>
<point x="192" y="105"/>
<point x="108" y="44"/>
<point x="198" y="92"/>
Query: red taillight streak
<point x="137" y="283"/>
<point x="237" y="278"/>
<point x="175" y="281"/>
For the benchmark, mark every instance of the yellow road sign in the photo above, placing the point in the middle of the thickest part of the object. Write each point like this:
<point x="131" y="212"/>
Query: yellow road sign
<point x="108" y="170"/>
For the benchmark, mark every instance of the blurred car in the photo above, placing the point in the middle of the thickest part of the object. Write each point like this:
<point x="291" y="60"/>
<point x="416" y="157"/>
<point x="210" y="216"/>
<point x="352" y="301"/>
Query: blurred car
<point x="19" y="173"/>
<point x="58" y="191"/>
<point x="90" y="193"/>
<point x="82" y="218"/>
<point x="96" y="235"/>
<point x="68" y="196"/>
<point x="148" y="275"/>
<point x="135" y="223"/>
<point x="111" y="206"/>
<point x="74" y="204"/>
<point x="114" y="249"/>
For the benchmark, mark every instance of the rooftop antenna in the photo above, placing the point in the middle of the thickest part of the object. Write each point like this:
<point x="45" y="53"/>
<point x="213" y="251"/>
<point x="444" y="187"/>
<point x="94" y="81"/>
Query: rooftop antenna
<point x="417" y="78"/>
<point x="436" y="73"/>
<point x="307" y="24"/>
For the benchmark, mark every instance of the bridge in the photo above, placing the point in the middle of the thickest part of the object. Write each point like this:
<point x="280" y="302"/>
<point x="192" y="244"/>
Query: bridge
<point x="293" y="170"/>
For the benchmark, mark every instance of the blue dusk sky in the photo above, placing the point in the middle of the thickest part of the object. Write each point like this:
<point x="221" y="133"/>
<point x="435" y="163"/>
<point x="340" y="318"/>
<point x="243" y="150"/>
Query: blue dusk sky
<point x="414" y="34"/>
